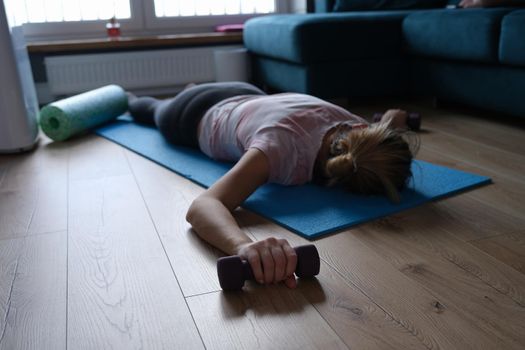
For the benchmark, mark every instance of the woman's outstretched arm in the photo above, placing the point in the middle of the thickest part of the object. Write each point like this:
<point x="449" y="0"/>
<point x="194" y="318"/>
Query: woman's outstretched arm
<point x="272" y="260"/>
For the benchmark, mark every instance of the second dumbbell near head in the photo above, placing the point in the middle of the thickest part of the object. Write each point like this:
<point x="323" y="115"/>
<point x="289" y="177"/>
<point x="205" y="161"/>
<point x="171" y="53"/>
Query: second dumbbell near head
<point x="233" y="271"/>
<point x="413" y="120"/>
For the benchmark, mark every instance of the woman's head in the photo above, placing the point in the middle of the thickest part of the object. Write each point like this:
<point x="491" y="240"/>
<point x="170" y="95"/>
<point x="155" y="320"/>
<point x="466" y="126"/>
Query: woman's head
<point x="373" y="160"/>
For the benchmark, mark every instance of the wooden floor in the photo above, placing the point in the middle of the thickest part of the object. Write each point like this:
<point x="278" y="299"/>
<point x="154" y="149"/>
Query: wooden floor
<point x="95" y="254"/>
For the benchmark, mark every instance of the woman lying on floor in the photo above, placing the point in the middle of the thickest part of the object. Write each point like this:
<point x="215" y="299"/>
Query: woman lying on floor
<point x="287" y="138"/>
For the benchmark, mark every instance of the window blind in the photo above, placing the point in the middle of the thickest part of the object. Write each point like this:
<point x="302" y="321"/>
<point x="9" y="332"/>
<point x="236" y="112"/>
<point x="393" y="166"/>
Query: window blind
<point x="173" y="8"/>
<point x="43" y="11"/>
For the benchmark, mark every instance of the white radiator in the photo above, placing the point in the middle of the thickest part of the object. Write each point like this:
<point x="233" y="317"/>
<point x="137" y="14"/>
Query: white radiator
<point x="137" y="70"/>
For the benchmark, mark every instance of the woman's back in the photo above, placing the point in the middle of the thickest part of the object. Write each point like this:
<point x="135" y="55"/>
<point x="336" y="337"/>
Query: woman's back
<point x="288" y="128"/>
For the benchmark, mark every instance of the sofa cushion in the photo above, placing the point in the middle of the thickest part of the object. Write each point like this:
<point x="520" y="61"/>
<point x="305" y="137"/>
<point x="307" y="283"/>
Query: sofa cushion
<point x="462" y="34"/>
<point x="512" y="40"/>
<point x="368" y="5"/>
<point x="309" y="38"/>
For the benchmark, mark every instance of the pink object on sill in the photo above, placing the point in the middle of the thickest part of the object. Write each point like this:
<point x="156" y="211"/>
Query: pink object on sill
<point x="229" y="28"/>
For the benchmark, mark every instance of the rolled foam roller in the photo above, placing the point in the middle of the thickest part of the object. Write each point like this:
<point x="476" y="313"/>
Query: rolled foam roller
<point x="68" y="117"/>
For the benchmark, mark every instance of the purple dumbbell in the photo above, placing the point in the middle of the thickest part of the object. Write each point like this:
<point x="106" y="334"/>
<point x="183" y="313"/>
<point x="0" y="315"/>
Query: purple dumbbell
<point x="233" y="271"/>
<point x="413" y="120"/>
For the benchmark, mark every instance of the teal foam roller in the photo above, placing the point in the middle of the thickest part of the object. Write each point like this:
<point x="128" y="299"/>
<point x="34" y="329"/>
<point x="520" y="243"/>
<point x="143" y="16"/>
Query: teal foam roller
<point x="63" y="119"/>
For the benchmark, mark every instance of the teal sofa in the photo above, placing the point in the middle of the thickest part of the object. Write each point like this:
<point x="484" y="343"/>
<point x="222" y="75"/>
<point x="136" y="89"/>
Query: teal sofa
<point x="471" y="56"/>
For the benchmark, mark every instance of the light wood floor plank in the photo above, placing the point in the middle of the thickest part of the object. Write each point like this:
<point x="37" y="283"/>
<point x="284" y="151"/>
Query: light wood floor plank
<point x="478" y="301"/>
<point x="261" y="318"/>
<point x="93" y="157"/>
<point x="427" y="232"/>
<point x="357" y="319"/>
<point x="360" y="322"/>
<point x="168" y="196"/>
<point x="469" y="218"/>
<point x="508" y="248"/>
<point x="34" y="315"/>
<point x="417" y="309"/>
<point x="407" y="301"/>
<point x="122" y="291"/>
<point x="505" y="194"/>
<point x="491" y="132"/>
<point x="505" y="164"/>
<point x="10" y="250"/>
<point x="33" y="192"/>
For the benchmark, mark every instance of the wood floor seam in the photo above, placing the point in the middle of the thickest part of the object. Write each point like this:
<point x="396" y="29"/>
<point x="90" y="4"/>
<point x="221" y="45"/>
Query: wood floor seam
<point x="9" y="298"/>
<point x="201" y="294"/>
<point x="347" y="280"/>
<point x="331" y="327"/>
<point x="67" y="248"/>
<point x="29" y="235"/>
<point x="162" y="245"/>
<point x="482" y="280"/>
<point x="486" y="171"/>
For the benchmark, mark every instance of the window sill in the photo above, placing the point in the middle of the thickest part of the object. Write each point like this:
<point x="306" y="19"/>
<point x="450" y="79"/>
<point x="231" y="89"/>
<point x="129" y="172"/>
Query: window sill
<point x="159" y="41"/>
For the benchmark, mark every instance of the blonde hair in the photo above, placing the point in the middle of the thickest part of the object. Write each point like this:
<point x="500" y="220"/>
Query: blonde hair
<point x="373" y="160"/>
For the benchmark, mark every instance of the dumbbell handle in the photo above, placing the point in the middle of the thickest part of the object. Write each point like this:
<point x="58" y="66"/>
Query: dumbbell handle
<point x="233" y="271"/>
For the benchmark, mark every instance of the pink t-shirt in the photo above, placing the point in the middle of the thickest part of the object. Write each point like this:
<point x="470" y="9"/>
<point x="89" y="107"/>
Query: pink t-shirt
<point x="288" y="128"/>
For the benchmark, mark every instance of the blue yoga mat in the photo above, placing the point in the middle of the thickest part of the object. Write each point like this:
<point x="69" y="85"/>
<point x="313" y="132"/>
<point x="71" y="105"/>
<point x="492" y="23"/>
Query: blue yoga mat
<point x="308" y="210"/>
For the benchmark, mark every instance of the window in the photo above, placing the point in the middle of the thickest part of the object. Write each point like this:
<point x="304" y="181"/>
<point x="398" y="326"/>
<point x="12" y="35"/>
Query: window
<point x="170" y="8"/>
<point x="48" y="19"/>
<point x="45" y="11"/>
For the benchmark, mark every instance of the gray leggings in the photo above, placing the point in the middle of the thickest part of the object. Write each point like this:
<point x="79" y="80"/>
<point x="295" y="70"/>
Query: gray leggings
<point x="178" y="118"/>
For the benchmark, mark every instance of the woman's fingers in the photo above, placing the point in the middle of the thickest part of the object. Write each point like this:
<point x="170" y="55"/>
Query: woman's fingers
<point x="268" y="265"/>
<point x="290" y="282"/>
<point x="291" y="264"/>
<point x="272" y="260"/>
<point x="255" y="262"/>
<point x="280" y="263"/>
<point x="468" y="3"/>
<point x="291" y="260"/>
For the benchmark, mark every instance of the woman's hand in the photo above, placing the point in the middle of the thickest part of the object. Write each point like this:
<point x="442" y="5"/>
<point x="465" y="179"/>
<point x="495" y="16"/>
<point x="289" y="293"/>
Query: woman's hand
<point x="470" y="3"/>
<point x="272" y="260"/>
<point x="486" y="3"/>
